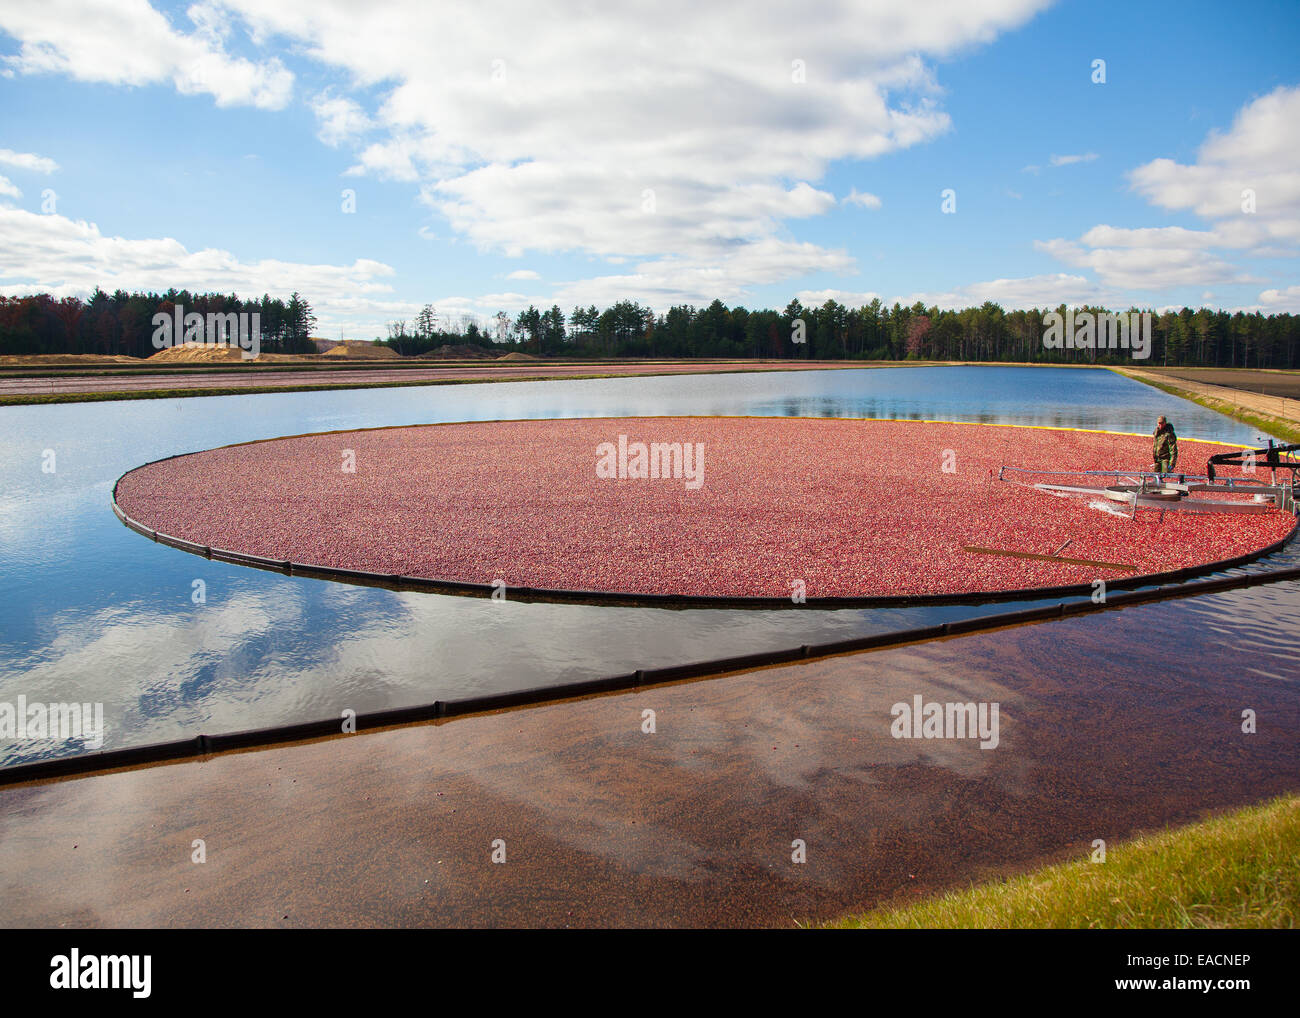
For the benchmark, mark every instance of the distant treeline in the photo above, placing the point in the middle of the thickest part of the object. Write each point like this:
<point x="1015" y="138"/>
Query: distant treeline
<point x="123" y="323"/>
<point x="871" y="332"/>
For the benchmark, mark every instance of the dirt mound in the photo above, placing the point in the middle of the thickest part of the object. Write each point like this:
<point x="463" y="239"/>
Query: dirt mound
<point x="516" y="356"/>
<point x="198" y="352"/>
<point x="67" y="359"/>
<point x="360" y="351"/>
<point x="459" y="353"/>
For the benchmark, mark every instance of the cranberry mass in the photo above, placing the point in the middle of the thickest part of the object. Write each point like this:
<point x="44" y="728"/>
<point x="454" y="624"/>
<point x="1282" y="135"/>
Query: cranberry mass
<point x="766" y="507"/>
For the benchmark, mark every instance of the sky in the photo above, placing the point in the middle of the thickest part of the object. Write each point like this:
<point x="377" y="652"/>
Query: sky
<point x="378" y="157"/>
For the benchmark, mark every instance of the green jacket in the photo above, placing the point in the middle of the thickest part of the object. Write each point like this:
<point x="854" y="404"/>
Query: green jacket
<point x="1165" y="446"/>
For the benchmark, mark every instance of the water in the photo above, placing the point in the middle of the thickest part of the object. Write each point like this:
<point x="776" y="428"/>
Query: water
<point x="96" y="613"/>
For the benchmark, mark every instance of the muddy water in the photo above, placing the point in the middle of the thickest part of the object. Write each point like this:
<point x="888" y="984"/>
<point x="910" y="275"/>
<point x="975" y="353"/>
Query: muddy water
<point x="1108" y="725"/>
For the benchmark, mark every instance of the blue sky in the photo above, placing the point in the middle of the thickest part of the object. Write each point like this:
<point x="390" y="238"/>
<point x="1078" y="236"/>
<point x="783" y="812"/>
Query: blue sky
<point x="670" y="156"/>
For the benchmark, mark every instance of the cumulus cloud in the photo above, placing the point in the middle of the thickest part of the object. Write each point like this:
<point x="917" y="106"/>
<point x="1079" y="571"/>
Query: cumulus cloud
<point x="640" y="137"/>
<point x="1259" y="154"/>
<point x="675" y="142"/>
<point x="341" y="119"/>
<point x="523" y="274"/>
<point x="9" y="189"/>
<point x="1245" y="184"/>
<point x="65" y="257"/>
<point x="663" y="282"/>
<point x="27" y="161"/>
<point x="1275" y="301"/>
<point x="127" y="42"/>
<point x="1146" y="268"/>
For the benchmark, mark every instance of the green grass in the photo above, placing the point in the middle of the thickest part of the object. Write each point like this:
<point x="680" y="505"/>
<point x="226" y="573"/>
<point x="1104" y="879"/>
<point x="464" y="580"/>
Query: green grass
<point x="1237" y="871"/>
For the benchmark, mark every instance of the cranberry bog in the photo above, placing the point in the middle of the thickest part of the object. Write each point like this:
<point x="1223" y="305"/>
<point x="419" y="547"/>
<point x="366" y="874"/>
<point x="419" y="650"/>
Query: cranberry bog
<point x="690" y="510"/>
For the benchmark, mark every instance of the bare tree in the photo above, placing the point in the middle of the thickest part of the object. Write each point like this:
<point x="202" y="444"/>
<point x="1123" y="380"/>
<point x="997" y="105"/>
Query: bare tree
<point x="397" y="335"/>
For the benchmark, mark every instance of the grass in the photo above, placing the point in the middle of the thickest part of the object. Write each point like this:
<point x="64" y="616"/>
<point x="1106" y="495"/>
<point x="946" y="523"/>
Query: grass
<point x="1278" y="427"/>
<point x="1237" y="871"/>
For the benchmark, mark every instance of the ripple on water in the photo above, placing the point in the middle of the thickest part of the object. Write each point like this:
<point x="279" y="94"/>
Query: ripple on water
<point x="1257" y="623"/>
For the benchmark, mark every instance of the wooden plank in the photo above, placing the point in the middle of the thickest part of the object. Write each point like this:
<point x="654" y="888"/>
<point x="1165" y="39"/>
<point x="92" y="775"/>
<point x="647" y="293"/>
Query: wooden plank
<point x="1051" y="558"/>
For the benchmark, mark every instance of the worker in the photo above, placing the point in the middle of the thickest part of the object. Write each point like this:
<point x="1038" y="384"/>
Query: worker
<point x="1164" y="447"/>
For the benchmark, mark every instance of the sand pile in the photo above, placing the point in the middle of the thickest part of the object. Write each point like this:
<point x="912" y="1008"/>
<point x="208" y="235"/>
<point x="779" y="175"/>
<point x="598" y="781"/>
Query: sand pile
<point x="22" y="359"/>
<point x="198" y="353"/>
<point x="519" y="357"/>
<point x="362" y="351"/>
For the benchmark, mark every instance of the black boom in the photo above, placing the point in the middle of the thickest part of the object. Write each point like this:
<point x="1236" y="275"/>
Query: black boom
<point x="1270" y="457"/>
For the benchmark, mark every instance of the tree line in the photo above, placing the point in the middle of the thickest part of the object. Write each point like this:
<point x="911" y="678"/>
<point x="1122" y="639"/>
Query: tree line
<point x="123" y="323"/>
<point x="874" y="331"/>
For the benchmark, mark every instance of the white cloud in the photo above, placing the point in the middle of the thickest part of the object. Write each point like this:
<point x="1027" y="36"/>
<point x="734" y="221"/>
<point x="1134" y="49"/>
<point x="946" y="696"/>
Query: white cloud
<point x="638" y="137"/>
<point x="63" y="257"/>
<point x="9" y="189"/>
<point x="862" y="198"/>
<point x="27" y="161"/>
<point x="523" y="274"/>
<point x="1276" y="301"/>
<point x="1260" y="154"/>
<point x="1028" y="292"/>
<point x="1155" y="267"/>
<point x="663" y="282"/>
<point x="127" y="42"/>
<point x="1056" y="160"/>
<point x="638" y="141"/>
<point x="341" y="119"/>
<point x="1087" y="157"/>
<point x="556" y="206"/>
<point x="849" y="298"/>
<point x="1148" y="237"/>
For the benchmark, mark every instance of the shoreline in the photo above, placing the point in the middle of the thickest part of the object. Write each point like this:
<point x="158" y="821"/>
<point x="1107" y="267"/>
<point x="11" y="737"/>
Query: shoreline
<point x="1202" y="875"/>
<point x="20" y="385"/>
<point x="23" y="388"/>
<point x="1277" y="416"/>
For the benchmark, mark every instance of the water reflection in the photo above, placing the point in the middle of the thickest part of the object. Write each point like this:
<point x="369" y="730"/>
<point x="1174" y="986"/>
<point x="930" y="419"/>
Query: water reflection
<point x="96" y="613"/>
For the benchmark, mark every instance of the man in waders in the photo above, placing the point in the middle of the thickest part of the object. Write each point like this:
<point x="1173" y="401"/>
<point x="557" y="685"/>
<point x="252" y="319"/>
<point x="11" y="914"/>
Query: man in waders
<point x="1164" y="447"/>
